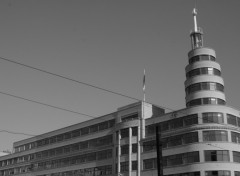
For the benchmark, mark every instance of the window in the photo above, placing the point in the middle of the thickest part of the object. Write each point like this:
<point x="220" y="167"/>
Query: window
<point x="134" y="131"/>
<point x="190" y="120"/>
<point x="125" y="133"/>
<point x="102" y="155"/>
<point x="190" y="137"/>
<point x="236" y="173"/>
<point x="190" y="157"/>
<point x="84" y="131"/>
<point x="51" y="152"/>
<point x="213" y="135"/>
<point x="174" y="141"/>
<point x="176" y="123"/>
<point x="53" y="139"/>
<point x="84" y="145"/>
<point x="75" y="147"/>
<point x="75" y="133"/>
<point x="134" y="165"/>
<point x="182" y="158"/>
<point x="91" y="156"/>
<point x="59" y="151"/>
<point x="174" y="160"/>
<point x="212" y="117"/>
<point x="231" y="119"/>
<point x="93" y="128"/>
<point x="217" y="173"/>
<point x="67" y="136"/>
<point x="216" y="155"/>
<point x="59" y="138"/>
<point x="103" y="125"/>
<point x="111" y="123"/>
<point x="124" y="166"/>
<point x="67" y="149"/>
<point x="235" y="137"/>
<point x="93" y="143"/>
<point x="124" y="150"/>
<point x="150" y="163"/>
<point x="134" y="148"/>
<point x="194" y="102"/>
<point x="236" y="156"/>
<point x="149" y="146"/>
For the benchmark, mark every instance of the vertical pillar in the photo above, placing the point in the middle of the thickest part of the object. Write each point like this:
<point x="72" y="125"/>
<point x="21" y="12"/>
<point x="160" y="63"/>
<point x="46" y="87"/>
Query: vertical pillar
<point x="115" y="142"/>
<point x="142" y="121"/>
<point x="130" y="152"/>
<point x="119" y="152"/>
<point x="138" y="152"/>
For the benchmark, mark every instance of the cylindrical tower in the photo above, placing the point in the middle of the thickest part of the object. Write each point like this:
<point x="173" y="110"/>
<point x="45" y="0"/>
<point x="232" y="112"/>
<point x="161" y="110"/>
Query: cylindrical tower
<point x="204" y="84"/>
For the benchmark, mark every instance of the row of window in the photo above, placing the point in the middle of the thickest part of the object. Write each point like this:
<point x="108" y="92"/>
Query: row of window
<point x="187" y="138"/>
<point x="191" y="157"/>
<point x="206" y="101"/>
<point x="201" y="58"/>
<point x="76" y="159"/>
<point x="172" y="141"/>
<point x="17" y="170"/>
<point x="66" y="136"/>
<point x="212" y="117"/>
<point x="173" y="124"/>
<point x="182" y="158"/>
<point x="94" y="171"/>
<point x="203" y="71"/>
<point x="204" y="86"/>
<point x="93" y="143"/>
<point x="207" y="117"/>
<point x="186" y="174"/>
<point x="171" y="160"/>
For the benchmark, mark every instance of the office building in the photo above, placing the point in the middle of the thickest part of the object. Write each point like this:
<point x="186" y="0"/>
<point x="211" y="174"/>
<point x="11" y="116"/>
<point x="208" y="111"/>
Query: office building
<point x="199" y="140"/>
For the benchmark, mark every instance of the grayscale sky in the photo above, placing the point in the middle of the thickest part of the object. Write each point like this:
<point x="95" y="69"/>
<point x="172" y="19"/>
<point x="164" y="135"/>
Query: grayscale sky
<point x="108" y="44"/>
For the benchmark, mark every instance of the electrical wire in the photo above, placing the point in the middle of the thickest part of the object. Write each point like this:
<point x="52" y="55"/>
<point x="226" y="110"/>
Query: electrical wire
<point x="79" y="82"/>
<point x="19" y="133"/>
<point x="44" y="104"/>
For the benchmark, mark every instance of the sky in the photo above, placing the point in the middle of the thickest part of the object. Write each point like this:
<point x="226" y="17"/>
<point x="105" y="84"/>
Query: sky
<point x="107" y="44"/>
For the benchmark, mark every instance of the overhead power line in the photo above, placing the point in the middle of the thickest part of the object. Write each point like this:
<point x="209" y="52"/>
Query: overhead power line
<point x="12" y="132"/>
<point x="79" y="82"/>
<point x="44" y="104"/>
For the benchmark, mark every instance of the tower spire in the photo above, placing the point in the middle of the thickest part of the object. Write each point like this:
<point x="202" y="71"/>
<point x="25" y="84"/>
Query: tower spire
<point x="196" y="34"/>
<point x="195" y="19"/>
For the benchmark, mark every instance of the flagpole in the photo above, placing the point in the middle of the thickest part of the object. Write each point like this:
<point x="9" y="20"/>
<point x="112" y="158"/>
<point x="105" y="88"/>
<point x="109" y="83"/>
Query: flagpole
<point x="144" y="86"/>
<point x="143" y="106"/>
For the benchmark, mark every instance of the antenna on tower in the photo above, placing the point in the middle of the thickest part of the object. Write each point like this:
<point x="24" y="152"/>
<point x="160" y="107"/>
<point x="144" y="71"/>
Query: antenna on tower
<point x="195" y="5"/>
<point x="196" y="34"/>
<point x="195" y="19"/>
